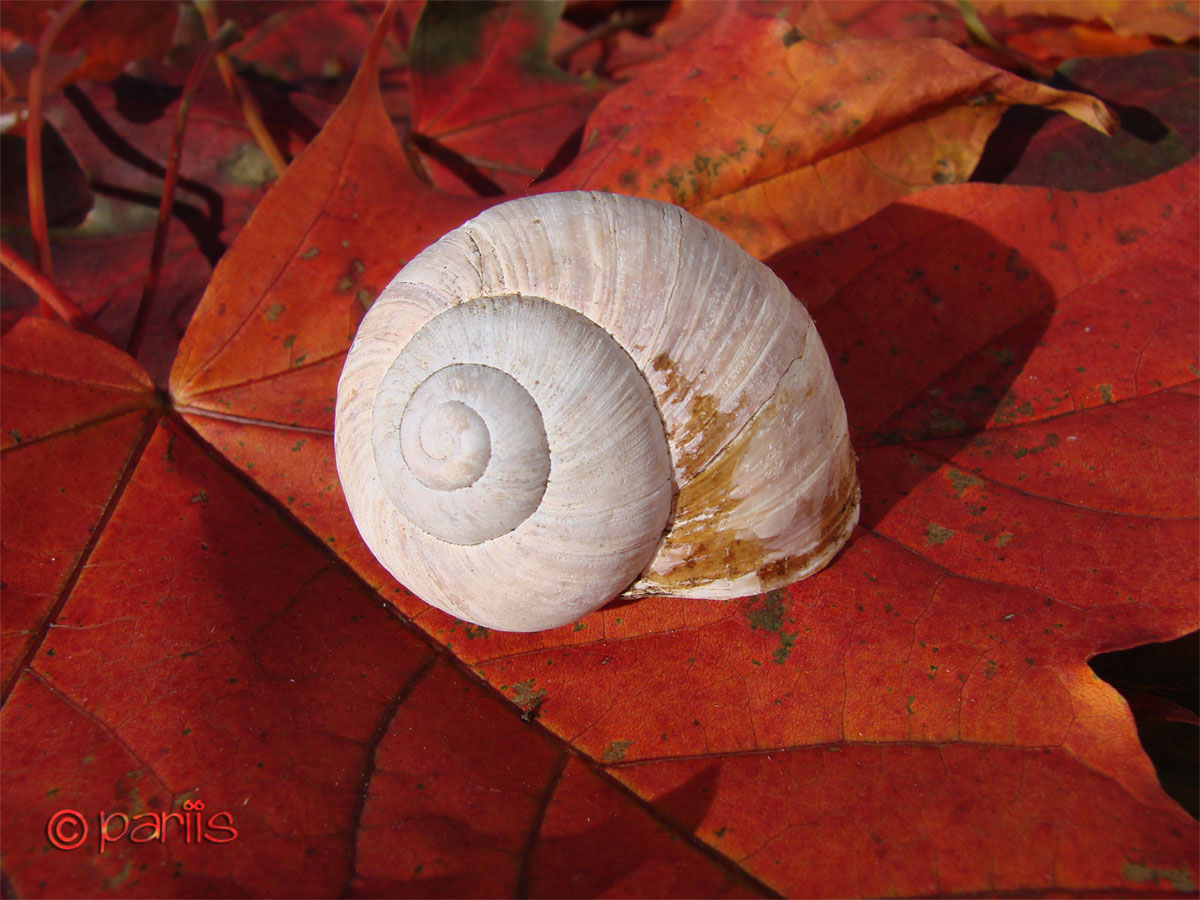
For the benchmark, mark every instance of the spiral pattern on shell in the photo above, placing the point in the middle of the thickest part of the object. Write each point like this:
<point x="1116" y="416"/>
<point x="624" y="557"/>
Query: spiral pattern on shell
<point x="580" y="395"/>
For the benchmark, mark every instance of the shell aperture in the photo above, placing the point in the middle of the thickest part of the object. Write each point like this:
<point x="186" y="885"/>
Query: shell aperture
<point x="579" y="395"/>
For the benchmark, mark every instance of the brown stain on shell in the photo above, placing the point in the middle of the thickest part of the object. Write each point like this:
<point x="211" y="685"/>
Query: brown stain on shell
<point x="705" y="420"/>
<point x="716" y="553"/>
<point x="713" y="554"/>
<point x="837" y="512"/>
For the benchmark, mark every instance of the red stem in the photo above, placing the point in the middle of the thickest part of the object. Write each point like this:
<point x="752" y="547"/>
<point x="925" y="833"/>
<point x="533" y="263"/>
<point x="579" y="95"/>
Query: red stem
<point x="33" y="137"/>
<point x="49" y="293"/>
<point x="170" y="180"/>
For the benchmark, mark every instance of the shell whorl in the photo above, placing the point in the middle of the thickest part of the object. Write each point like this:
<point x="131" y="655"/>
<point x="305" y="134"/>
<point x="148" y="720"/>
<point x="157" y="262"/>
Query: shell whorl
<point x="578" y="395"/>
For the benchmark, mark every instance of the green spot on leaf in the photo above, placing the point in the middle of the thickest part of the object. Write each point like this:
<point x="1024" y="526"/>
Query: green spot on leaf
<point x="525" y="696"/>
<point x="936" y="535"/>
<point x="960" y="481"/>
<point x="615" y="751"/>
<point x="786" y="642"/>
<point x="769" y="615"/>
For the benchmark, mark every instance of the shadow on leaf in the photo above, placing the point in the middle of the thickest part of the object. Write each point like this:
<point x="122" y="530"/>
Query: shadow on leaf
<point x="927" y="320"/>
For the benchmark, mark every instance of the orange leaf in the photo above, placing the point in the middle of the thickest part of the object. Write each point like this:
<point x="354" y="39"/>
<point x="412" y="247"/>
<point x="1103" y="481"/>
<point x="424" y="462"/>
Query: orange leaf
<point x="1057" y="44"/>
<point x="1177" y="20"/>
<point x="776" y="139"/>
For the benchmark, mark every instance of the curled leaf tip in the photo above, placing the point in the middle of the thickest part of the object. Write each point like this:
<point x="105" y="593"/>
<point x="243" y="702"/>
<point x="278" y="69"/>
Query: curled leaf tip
<point x="1106" y="119"/>
<point x="1090" y="110"/>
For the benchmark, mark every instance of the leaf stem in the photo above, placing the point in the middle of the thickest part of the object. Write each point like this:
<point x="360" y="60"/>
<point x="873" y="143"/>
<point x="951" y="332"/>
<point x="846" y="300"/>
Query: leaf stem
<point x="227" y="35"/>
<point x="250" y="108"/>
<point x="33" y="139"/>
<point x="50" y="293"/>
<point x="977" y="32"/>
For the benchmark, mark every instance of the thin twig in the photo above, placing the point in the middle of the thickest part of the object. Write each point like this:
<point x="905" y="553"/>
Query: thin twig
<point x="226" y="36"/>
<point x="33" y="138"/>
<point x="8" y="87"/>
<point x="50" y="293"/>
<point x="250" y="108"/>
<point x="619" y="21"/>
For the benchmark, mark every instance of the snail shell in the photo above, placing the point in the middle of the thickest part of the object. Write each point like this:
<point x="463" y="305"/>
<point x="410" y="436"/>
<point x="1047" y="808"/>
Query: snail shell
<point x="580" y="395"/>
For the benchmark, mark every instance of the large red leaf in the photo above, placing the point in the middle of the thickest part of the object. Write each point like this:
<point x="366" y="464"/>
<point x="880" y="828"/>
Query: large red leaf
<point x="202" y="649"/>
